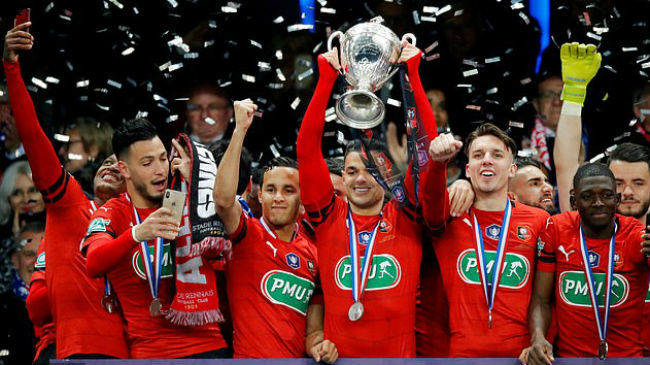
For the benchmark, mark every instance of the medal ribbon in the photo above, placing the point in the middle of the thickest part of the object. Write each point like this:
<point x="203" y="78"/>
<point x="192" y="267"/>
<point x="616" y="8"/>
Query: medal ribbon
<point x="359" y="281"/>
<point x="152" y="269"/>
<point x="490" y="290"/>
<point x="412" y="124"/>
<point x="602" y="325"/>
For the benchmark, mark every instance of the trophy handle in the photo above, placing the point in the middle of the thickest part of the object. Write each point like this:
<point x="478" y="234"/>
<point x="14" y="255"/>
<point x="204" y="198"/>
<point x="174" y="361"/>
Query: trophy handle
<point x="409" y="37"/>
<point x="337" y="34"/>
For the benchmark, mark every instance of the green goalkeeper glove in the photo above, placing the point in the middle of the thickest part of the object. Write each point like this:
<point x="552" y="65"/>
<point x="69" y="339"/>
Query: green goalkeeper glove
<point x="580" y="62"/>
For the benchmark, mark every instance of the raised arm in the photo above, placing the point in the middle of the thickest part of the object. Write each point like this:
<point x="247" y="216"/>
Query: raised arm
<point x="225" y="185"/>
<point x="579" y="65"/>
<point x="435" y="204"/>
<point x="316" y="190"/>
<point x="46" y="168"/>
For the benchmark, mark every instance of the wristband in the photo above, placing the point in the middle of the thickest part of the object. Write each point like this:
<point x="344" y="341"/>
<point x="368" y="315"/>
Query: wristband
<point x="133" y="235"/>
<point x="571" y="109"/>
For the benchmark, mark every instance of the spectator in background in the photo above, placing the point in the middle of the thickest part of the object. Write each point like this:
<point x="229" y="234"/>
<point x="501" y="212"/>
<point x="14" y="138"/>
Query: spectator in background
<point x="548" y="106"/>
<point x="20" y="200"/>
<point x="208" y="114"/>
<point x="439" y="105"/>
<point x="639" y="131"/>
<point x="86" y="143"/>
<point x="335" y="167"/>
<point x="29" y="239"/>
<point x="11" y="148"/>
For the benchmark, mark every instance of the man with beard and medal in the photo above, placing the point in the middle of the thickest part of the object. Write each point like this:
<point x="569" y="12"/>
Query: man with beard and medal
<point x="630" y="164"/>
<point x="129" y="241"/>
<point x="369" y="253"/>
<point x="496" y="242"/>
<point x="84" y="329"/>
<point x="530" y="185"/>
<point x="593" y="262"/>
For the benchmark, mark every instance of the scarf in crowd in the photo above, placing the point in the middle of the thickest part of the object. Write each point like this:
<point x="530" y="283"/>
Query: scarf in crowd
<point x="201" y="239"/>
<point x="538" y="142"/>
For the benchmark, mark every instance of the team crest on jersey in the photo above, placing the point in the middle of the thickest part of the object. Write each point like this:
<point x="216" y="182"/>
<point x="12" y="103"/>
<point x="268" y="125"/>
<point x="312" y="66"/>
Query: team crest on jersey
<point x="574" y="289"/>
<point x="293" y="261"/>
<point x="39" y="265"/>
<point x="98" y="225"/>
<point x="384" y="227"/>
<point x="594" y="259"/>
<point x="287" y="289"/>
<point x="310" y="266"/>
<point x="493" y="231"/>
<point x="618" y="260"/>
<point x="384" y="273"/>
<point x="523" y="233"/>
<point x="515" y="270"/>
<point x="364" y="237"/>
<point x="398" y="193"/>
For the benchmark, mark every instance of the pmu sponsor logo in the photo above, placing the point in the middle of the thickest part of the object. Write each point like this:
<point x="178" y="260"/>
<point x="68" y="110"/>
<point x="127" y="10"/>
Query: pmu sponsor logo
<point x="574" y="289"/>
<point x="384" y="273"/>
<point x="207" y="175"/>
<point x="40" y="262"/>
<point x="289" y="290"/>
<point x="515" y="269"/>
<point x="167" y="265"/>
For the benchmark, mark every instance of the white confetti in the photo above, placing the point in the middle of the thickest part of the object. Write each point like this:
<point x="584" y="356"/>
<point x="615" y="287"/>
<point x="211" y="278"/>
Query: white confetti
<point x="173" y="3"/>
<point x="175" y="66"/>
<point x="394" y="102"/>
<point x="248" y="78"/>
<point x="49" y="7"/>
<point x="645" y="65"/>
<point x="322" y="2"/>
<point x="83" y="83"/>
<point x="74" y="157"/>
<point x="116" y="3"/>
<point x="629" y="49"/>
<point x="255" y="44"/>
<point x="228" y="9"/>
<point x="61" y="137"/>
<point x="207" y="44"/>
<point x="317" y="47"/>
<point x="429" y="9"/>
<point x="64" y="17"/>
<point x="297" y="27"/>
<point x="491" y="91"/>
<point x="328" y="10"/>
<point x="191" y="55"/>
<point x="295" y="103"/>
<point x="459" y="12"/>
<point x="493" y="59"/>
<point x="274" y="150"/>
<point x="519" y="103"/>
<point x="600" y="30"/>
<point x="470" y="72"/>
<point x="128" y="51"/>
<point x="164" y="66"/>
<point x="305" y="74"/>
<point x="278" y="20"/>
<point x="428" y="19"/>
<point x="114" y="84"/>
<point x="331" y="117"/>
<point x="416" y="17"/>
<point x="280" y="75"/>
<point x="209" y="120"/>
<point x="52" y="80"/>
<point x="434" y="56"/>
<point x="594" y="36"/>
<point x="212" y="24"/>
<point x="443" y="10"/>
<point x="278" y="54"/>
<point x="264" y="66"/>
<point x="172" y="118"/>
<point x="39" y="83"/>
<point x="431" y="47"/>
<point x="157" y="97"/>
<point x="103" y="107"/>
<point x="517" y="6"/>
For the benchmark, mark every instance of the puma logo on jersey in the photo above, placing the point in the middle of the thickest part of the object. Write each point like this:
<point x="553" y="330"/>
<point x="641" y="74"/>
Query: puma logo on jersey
<point x="275" y="250"/>
<point x="565" y="253"/>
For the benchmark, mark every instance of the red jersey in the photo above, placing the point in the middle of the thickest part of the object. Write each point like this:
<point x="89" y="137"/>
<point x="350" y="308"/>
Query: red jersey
<point x="82" y="324"/>
<point x="646" y="325"/>
<point x="468" y="310"/>
<point x="270" y="284"/>
<point x="43" y="325"/>
<point x="561" y="255"/>
<point x="149" y="337"/>
<point x="432" y="310"/>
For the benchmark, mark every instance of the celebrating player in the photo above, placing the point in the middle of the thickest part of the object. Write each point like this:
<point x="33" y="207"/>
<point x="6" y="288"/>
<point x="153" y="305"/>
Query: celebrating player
<point x="495" y="243"/>
<point x="380" y="321"/>
<point x="132" y="223"/>
<point x="595" y="259"/>
<point x="83" y="328"/>
<point x="273" y="271"/>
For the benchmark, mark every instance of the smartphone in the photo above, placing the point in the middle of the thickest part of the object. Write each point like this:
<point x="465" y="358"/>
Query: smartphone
<point x="174" y="201"/>
<point x="23" y="16"/>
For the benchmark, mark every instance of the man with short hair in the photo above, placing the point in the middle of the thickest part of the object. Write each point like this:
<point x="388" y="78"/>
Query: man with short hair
<point x="84" y="328"/>
<point x="596" y="249"/>
<point x="127" y="225"/>
<point x="208" y="114"/>
<point x="548" y="105"/>
<point x="630" y="164"/>
<point x="495" y="242"/>
<point x="378" y="321"/>
<point x="272" y="275"/>
<point x="530" y="185"/>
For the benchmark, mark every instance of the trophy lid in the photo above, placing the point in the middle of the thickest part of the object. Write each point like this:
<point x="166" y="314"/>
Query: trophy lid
<point x="375" y="27"/>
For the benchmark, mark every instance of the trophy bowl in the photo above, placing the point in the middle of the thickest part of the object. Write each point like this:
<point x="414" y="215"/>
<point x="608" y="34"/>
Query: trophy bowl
<point x="369" y="54"/>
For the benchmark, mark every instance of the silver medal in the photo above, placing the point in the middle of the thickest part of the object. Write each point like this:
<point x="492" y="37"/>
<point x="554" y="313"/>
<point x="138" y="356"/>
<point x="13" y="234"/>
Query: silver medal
<point x="355" y="312"/>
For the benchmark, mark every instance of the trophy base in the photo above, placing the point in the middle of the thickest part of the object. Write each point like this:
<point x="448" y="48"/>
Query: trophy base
<point x="360" y="109"/>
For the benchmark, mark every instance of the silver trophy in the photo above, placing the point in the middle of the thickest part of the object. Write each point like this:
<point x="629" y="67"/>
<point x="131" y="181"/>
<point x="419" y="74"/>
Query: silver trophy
<point x="369" y="54"/>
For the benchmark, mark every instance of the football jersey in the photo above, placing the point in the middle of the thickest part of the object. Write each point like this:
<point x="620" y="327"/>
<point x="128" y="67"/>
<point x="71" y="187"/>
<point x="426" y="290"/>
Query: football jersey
<point x="561" y="255"/>
<point x="149" y="337"/>
<point x="386" y="328"/>
<point x="432" y="310"/>
<point x="270" y="284"/>
<point x="82" y="324"/>
<point x="646" y="325"/>
<point x="468" y="310"/>
<point x="45" y="332"/>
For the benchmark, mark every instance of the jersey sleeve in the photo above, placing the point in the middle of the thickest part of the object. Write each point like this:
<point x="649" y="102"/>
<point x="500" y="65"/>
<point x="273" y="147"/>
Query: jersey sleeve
<point x="38" y="303"/>
<point x="546" y="243"/>
<point x="48" y="174"/>
<point x="316" y="190"/>
<point x="245" y="231"/>
<point x="108" y="241"/>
